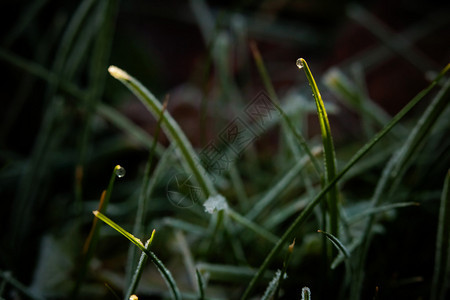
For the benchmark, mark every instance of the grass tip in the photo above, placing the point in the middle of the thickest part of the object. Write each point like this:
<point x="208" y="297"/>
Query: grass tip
<point x="118" y="73"/>
<point x="119" y="171"/>
<point x="291" y="246"/>
<point x="95" y="212"/>
<point x="300" y="63"/>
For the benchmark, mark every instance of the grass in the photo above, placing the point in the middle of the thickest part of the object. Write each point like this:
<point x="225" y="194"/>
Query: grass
<point x="218" y="202"/>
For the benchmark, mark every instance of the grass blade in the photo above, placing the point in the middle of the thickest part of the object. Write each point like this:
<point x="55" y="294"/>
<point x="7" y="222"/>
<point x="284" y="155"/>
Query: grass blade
<point x="200" y="284"/>
<point x="170" y="126"/>
<point x="272" y="287"/>
<point x="442" y="259"/>
<point x="161" y="268"/>
<point x="358" y="155"/>
<point x="138" y="272"/>
<point x="306" y="293"/>
<point x="267" y="83"/>
<point x="119" y="229"/>
<point x="337" y="243"/>
<point x="328" y="148"/>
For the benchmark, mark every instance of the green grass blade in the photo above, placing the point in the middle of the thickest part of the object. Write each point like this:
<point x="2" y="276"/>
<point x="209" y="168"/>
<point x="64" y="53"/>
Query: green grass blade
<point x="119" y="229"/>
<point x="328" y="148"/>
<point x="268" y="84"/>
<point x="139" y="269"/>
<point x="171" y="127"/>
<point x="337" y="243"/>
<point x="161" y="268"/>
<point x="200" y="284"/>
<point x="358" y="155"/>
<point x="442" y="258"/>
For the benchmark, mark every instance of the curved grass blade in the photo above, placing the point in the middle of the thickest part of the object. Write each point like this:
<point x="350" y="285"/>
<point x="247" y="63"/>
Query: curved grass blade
<point x="306" y="293"/>
<point x="161" y="268"/>
<point x="337" y="243"/>
<point x="442" y="258"/>
<point x="358" y="155"/>
<point x="200" y="284"/>
<point x="170" y="126"/>
<point x="272" y="287"/>
<point x="268" y="84"/>
<point x="137" y="274"/>
<point x="328" y="148"/>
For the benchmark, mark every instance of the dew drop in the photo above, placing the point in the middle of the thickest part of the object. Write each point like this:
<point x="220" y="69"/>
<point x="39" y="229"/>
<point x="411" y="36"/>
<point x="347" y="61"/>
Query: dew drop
<point x="120" y="171"/>
<point x="299" y="63"/>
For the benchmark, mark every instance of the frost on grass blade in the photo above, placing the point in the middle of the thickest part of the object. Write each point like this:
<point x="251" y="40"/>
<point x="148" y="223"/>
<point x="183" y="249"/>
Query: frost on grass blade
<point x="118" y="73"/>
<point x="306" y="293"/>
<point x="272" y="287"/>
<point x="215" y="203"/>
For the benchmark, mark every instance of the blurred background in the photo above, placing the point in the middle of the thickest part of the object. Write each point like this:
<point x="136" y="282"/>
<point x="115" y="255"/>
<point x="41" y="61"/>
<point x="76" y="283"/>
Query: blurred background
<point x="60" y="137"/>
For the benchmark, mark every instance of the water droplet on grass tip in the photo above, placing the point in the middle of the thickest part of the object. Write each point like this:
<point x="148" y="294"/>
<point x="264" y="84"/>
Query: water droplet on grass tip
<point x="120" y="171"/>
<point x="299" y="63"/>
